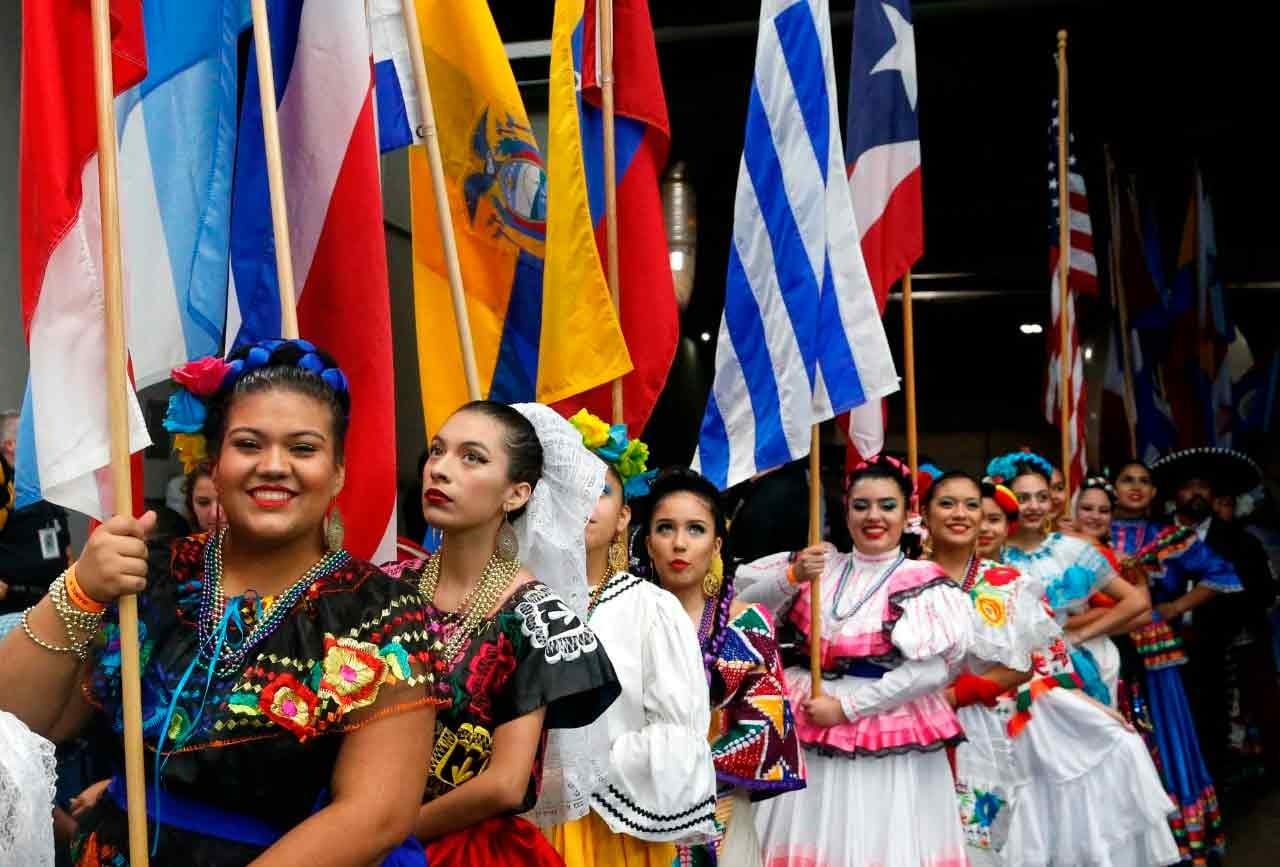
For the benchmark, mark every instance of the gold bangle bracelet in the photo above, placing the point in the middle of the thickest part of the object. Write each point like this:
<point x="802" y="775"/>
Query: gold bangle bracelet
<point x="40" y="642"/>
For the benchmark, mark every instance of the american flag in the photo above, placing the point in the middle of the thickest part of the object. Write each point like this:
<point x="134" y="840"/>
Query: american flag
<point x="1081" y="279"/>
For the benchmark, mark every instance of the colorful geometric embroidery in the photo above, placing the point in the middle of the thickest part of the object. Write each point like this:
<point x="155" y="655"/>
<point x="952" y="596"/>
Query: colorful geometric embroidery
<point x="757" y="746"/>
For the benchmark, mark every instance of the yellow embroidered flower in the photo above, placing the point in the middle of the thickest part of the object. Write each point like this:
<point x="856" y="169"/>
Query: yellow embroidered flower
<point x="351" y="672"/>
<point x="192" y="450"/>
<point x="595" y="432"/>
<point x="991" y="609"/>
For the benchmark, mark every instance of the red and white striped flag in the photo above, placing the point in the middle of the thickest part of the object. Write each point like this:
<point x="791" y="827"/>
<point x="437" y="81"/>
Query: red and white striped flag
<point x="1082" y="279"/>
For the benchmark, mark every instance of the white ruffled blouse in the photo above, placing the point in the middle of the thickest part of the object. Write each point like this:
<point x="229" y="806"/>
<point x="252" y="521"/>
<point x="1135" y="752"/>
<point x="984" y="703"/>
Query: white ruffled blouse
<point x="662" y="782"/>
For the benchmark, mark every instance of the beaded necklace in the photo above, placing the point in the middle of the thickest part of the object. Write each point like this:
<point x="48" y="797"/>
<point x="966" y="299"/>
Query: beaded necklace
<point x="970" y="573"/>
<point x="596" y="592"/>
<point x="216" y="646"/>
<point x="494" y="580"/>
<point x="871" y="591"/>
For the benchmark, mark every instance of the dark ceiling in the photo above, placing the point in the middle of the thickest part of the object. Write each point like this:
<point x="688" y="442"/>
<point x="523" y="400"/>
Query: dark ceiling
<point x="1164" y="89"/>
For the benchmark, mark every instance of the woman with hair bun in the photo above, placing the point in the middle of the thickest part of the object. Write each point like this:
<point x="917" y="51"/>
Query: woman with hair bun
<point x="753" y="735"/>
<point x="286" y="686"/>
<point x="893" y="632"/>
<point x="662" y="783"/>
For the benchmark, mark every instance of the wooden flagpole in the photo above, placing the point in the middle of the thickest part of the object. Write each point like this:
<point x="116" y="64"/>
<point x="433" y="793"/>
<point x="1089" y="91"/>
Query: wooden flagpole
<point x="604" y="39"/>
<point x="118" y="421"/>
<point x="815" y="538"/>
<point x="909" y="375"/>
<point x="275" y="171"/>
<point x="1121" y="303"/>
<point x="444" y="216"/>
<point x="1064" y="266"/>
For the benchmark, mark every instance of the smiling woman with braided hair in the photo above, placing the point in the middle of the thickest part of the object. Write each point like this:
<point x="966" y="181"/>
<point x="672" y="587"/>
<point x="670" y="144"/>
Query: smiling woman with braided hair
<point x="284" y="683"/>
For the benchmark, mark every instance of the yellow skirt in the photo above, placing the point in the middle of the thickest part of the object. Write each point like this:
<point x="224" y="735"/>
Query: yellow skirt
<point x="588" y="842"/>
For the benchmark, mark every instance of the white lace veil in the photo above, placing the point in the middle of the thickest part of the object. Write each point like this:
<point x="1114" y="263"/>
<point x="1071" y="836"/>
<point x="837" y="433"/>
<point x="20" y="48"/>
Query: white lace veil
<point x="26" y="795"/>
<point x="552" y="530"/>
<point x="552" y="534"/>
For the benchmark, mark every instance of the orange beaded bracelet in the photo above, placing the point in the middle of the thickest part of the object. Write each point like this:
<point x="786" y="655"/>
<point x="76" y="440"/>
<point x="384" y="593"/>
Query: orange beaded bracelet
<point x="79" y="598"/>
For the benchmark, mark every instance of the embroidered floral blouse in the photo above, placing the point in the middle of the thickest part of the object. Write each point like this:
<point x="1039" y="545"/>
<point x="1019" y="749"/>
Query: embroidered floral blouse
<point x="260" y="742"/>
<point x="535" y="652"/>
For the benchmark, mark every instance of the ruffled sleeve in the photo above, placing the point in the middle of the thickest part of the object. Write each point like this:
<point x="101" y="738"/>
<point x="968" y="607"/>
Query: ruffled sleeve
<point x="661" y="779"/>
<point x="560" y="663"/>
<point x="1084" y="571"/>
<point x="933" y="632"/>
<point x="1206" y="568"/>
<point x="381" y="663"/>
<point x="1010" y="622"/>
<point x="764" y="582"/>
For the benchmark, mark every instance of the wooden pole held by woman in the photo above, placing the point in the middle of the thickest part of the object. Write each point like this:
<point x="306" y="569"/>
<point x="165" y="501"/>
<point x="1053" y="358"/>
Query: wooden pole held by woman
<point x="815" y="538"/>
<point x="444" y="215"/>
<point x="275" y="171"/>
<point x="604" y="31"/>
<point x="909" y="375"/>
<point x="118" y="421"/>
<point x="1064" y="267"/>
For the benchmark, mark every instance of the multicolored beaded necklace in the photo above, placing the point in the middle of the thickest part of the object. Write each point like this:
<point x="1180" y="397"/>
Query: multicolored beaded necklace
<point x="217" y="616"/>
<point x="871" y="591"/>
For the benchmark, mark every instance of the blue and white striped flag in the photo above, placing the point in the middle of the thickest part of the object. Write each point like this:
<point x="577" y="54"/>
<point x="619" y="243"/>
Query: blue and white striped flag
<point x="801" y="338"/>
<point x="398" y="111"/>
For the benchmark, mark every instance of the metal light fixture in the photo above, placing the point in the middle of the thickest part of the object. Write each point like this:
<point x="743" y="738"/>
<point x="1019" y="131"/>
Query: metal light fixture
<point x="679" y="214"/>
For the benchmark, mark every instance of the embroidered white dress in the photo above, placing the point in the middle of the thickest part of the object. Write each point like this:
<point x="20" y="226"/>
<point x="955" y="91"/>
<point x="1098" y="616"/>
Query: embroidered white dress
<point x="26" y="795"/>
<point x="1048" y="776"/>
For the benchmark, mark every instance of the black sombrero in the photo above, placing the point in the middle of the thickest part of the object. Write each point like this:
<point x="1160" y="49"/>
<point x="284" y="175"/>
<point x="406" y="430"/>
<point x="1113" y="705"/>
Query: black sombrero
<point x="1231" y="473"/>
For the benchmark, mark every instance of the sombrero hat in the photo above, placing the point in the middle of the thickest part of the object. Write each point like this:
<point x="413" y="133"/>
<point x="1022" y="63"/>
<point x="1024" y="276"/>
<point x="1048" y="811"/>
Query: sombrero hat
<point x="1230" y="472"/>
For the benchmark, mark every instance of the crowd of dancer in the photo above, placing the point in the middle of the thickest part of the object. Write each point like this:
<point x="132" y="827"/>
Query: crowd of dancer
<point x="1012" y="679"/>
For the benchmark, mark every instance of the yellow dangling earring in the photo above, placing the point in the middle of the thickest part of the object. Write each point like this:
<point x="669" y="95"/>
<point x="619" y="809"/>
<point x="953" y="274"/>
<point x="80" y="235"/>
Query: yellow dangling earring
<point x="618" y="560"/>
<point x="714" y="579"/>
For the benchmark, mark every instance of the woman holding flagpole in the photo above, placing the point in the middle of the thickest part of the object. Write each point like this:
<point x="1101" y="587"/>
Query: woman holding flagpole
<point x="511" y="489"/>
<point x="284" y="683"/>
<point x="753" y="736"/>
<point x="662" y="783"/>
<point x="893" y="631"/>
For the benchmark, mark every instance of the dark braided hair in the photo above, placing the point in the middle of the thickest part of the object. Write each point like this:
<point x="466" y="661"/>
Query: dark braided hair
<point x="524" y="449"/>
<point x="298" y="366"/>
<point x="684" y="481"/>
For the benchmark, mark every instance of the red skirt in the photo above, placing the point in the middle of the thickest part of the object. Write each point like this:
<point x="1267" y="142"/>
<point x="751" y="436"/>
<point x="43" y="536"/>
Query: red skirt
<point x="504" y="841"/>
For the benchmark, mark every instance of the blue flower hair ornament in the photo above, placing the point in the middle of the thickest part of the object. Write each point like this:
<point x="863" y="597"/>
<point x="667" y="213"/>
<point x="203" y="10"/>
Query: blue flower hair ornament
<point x="1005" y="468"/>
<point x="204" y="380"/>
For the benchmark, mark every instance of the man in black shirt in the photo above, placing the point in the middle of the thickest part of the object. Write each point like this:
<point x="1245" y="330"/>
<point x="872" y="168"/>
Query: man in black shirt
<point x="34" y="542"/>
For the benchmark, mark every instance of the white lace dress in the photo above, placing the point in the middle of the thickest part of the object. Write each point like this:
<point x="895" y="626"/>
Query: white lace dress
<point x="26" y="795"/>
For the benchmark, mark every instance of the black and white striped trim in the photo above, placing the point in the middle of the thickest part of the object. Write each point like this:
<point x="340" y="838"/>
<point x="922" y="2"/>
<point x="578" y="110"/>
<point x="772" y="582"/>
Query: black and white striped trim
<point x="652" y="826"/>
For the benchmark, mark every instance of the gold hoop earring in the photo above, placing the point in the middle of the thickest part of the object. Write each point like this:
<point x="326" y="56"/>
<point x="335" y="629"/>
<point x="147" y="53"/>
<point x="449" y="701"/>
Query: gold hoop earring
<point x="714" y="579"/>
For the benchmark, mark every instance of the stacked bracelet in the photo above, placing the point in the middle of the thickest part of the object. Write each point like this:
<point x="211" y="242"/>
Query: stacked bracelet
<point x="79" y="625"/>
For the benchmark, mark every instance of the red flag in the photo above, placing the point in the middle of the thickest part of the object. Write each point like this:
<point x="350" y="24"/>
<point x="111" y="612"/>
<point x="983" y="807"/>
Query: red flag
<point x="65" y="432"/>
<point x="650" y="320"/>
